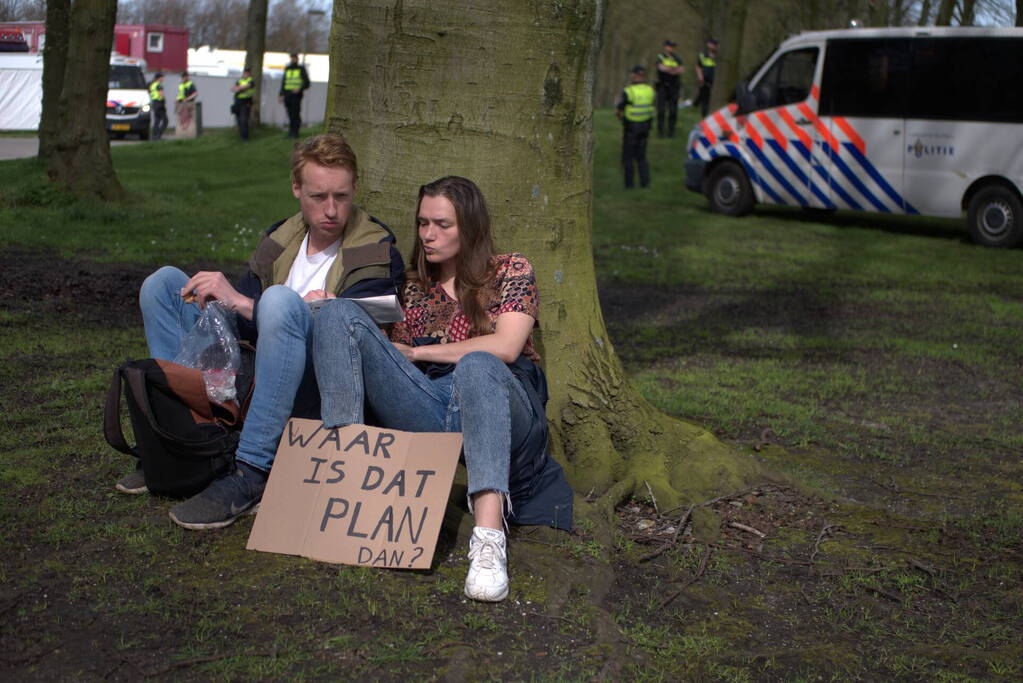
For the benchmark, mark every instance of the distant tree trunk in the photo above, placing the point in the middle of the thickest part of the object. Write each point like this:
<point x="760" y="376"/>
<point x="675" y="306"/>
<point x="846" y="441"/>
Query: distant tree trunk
<point x="58" y="20"/>
<point x="728" y="69"/>
<point x="1019" y="12"/>
<point x="925" y="13"/>
<point x="878" y="13"/>
<point x="81" y="159"/>
<point x="255" y="46"/>
<point x="945" y="10"/>
<point x="502" y="93"/>
<point x="897" y="13"/>
<point x="967" y="12"/>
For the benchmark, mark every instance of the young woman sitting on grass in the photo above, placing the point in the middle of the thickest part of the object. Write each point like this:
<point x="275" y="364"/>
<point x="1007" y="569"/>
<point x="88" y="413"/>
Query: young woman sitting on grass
<point x="463" y="360"/>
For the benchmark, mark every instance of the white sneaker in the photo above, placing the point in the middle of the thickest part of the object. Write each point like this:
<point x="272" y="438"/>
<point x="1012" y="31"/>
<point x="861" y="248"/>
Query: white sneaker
<point x="487" y="579"/>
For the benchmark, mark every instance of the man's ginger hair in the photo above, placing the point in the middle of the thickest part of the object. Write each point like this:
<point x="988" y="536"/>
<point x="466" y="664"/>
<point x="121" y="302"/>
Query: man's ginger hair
<point x="328" y="150"/>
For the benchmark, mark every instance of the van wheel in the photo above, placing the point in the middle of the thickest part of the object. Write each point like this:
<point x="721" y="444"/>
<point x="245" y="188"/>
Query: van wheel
<point x="729" y="190"/>
<point x="995" y="217"/>
<point x="144" y="135"/>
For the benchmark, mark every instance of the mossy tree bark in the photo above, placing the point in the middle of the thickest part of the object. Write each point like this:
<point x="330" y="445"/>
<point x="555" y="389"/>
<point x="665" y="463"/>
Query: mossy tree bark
<point x="255" y="46"/>
<point x="81" y="157"/>
<point x="58" y="24"/>
<point x="502" y="94"/>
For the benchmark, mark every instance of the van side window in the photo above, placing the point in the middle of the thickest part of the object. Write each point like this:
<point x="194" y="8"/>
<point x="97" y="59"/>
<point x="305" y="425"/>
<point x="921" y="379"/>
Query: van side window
<point x="965" y="79"/>
<point x="788" y="80"/>
<point x="868" y="78"/>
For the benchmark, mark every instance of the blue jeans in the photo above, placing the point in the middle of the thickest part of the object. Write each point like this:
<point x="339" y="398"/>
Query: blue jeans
<point x="285" y="381"/>
<point x="357" y="367"/>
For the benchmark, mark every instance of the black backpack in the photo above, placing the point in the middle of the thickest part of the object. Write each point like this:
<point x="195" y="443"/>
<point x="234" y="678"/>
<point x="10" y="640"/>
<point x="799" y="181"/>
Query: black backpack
<point x="183" y="440"/>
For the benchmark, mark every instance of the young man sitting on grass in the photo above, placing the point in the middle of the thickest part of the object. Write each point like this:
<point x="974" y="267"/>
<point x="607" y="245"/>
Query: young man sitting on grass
<point x="331" y="248"/>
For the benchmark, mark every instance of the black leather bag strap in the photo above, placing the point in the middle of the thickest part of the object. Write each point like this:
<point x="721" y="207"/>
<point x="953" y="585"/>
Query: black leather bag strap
<point x="112" y="417"/>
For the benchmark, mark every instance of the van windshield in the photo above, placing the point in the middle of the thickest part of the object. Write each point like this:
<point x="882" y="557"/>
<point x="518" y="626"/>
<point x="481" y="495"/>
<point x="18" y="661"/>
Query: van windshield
<point x="126" y="77"/>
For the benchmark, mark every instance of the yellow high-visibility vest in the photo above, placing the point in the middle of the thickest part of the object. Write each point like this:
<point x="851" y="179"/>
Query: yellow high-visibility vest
<point x="707" y="61"/>
<point x="293" y="78"/>
<point x="639" y="105"/>
<point x="156" y="91"/>
<point x="183" y="87"/>
<point x="248" y="92"/>
<point x="667" y="60"/>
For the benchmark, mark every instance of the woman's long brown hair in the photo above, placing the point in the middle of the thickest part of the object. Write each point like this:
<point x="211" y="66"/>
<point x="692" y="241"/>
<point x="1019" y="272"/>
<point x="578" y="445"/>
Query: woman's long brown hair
<point x="474" y="269"/>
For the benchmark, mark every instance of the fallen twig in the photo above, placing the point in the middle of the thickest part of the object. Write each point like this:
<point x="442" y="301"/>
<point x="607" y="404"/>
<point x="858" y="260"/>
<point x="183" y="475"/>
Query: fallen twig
<point x="699" y="572"/>
<point x="674" y="541"/>
<point x="652" y="496"/>
<point x="747" y="529"/>
<point x="883" y="593"/>
<point x="820" y="537"/>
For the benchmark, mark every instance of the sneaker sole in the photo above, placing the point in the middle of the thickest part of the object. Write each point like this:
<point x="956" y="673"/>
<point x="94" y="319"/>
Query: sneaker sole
<point x="483" y="597"/>
<point x="202" y="526"/>
<point x="131" y="492"/>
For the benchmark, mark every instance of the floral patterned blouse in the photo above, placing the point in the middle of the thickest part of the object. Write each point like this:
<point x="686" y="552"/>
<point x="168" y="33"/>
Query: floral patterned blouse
<point x="434" y="313"/>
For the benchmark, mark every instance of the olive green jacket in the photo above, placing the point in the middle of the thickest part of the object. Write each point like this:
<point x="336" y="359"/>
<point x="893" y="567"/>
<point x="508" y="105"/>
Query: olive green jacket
<point x="368" y="262"/>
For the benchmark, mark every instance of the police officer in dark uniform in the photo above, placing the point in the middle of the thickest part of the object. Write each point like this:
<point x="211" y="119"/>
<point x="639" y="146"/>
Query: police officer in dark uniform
<point x="669" y="85"/>
<point x="636" y="111"/>
<point x="244" y="88"/>
<point x="159" y="105"/>
<point x="706" y="64"/>
<point x="295" y="83"/>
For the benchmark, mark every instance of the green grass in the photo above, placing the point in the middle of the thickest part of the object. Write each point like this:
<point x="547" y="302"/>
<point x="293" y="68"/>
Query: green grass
<point x="189" y="200"/>
<point x="880" y="354"/>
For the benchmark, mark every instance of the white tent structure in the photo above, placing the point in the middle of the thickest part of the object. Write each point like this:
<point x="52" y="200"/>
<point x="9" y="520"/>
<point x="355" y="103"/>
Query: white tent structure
<point x="21" y="91"/>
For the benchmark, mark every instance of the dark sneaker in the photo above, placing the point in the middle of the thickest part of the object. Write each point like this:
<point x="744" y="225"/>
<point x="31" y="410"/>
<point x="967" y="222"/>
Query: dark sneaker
<point x="223" y="501"/>
<point x="133" y="483"/>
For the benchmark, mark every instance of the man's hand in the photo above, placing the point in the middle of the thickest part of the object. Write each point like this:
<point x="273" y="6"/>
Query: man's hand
<point x="280" y="98"/>
<point x="405" y="350"/>
<point x="209" y="286"/>
<point x="318" y="294"/>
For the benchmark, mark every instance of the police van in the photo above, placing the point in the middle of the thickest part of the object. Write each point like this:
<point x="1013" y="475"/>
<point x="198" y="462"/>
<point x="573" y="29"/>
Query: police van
<point x="924" y="121"/>
<point x="128" y="98"/>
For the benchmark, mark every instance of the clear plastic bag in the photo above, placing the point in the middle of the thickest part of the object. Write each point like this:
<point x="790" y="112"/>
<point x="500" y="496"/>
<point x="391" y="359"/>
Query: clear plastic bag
<point x="211" y="347"/>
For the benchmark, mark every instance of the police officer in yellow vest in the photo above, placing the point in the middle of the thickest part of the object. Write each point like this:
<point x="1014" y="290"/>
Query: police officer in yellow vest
<point x="184" y="107"/>
<point x="244" y="89"/>
<point x="159" y="105"/>
<point x="295" y="83"/>
<point x="706" y="64"/>
<point x="669" y="85"/>
<point x="636" y="110"/>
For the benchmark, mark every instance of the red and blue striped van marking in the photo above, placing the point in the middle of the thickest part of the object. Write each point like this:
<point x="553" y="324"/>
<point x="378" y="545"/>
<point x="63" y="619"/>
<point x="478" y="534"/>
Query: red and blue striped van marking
<point x="781" y="157"/>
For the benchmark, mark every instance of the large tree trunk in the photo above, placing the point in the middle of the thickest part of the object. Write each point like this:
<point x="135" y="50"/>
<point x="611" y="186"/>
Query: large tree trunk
<point x="255" y="46"/>
<point x="81" y="159"/>
<point x="1019" y="12"/>
<point x="502" y="94"/>
<point x="945" y="10"/>
<point x="58" y="21"/>
<point x="730" y="54"/>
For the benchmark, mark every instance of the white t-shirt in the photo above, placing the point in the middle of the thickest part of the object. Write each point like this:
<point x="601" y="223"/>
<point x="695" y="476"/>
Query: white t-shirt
<point x="310" y="272"/>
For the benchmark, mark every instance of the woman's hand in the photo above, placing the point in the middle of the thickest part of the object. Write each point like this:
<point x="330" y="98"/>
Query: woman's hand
<point x="406" y="351"/>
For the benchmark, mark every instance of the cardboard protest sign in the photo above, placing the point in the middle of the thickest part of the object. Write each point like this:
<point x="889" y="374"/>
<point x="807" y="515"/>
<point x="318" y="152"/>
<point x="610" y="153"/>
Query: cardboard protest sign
<point x="356" y="495"/>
